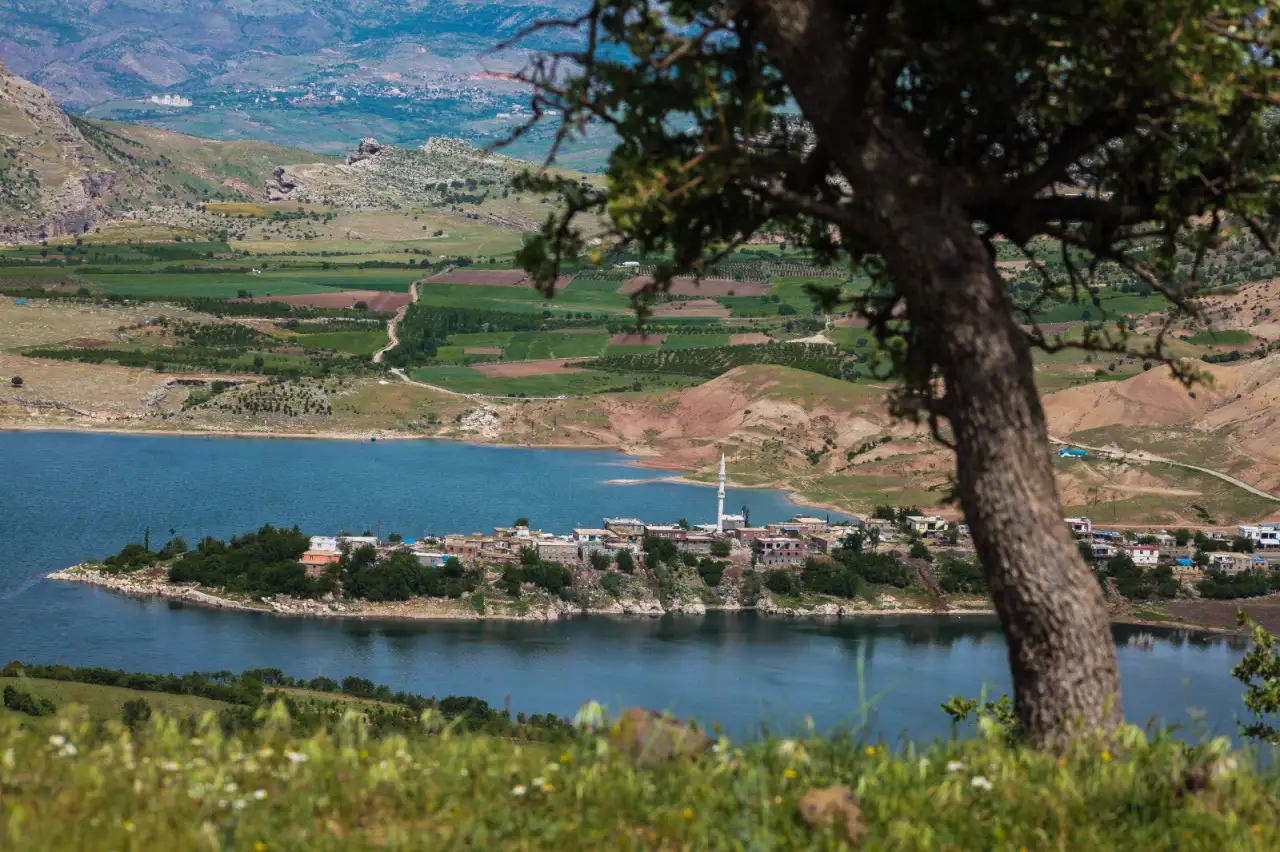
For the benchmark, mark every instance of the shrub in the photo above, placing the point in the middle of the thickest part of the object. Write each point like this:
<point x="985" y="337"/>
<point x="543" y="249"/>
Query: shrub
<point x="21" y="701"/>
<point x="16" y="381"/>
<point x="711" y="571"/>
<point x="612" y="583"/>
<point x="137" y="712"/>
<point x="782" y="583"/>
<point x="626" y="563"/>
<point x="720" y="548"/>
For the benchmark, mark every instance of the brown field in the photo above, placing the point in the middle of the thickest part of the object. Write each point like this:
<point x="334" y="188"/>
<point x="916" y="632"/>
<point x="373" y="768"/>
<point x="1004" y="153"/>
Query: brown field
<point x="377" y="300"/>
<point x="482" y="350"/>
<point x="1265" y="611"/>
<point x="574" y="331"/>
<point x="687" y="286"/>
<point x="694" y="308"/>
<point x="637" y="339"/>
<point x="485" y="277"/>
<point x="526" y="368"/>
<point x="750" y="338"/>
<point x="86" y="342"/>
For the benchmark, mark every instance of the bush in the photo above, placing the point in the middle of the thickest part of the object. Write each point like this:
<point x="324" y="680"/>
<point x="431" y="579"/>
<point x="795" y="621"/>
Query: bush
<point x="626" y="563"/>
<point x="720" y="548"/>
<point x="782" y="583"/>
<point x="137" y="712"/>
<point x="21" y="701"/>
<point x="711" y="571"/>
<point x="961" y="576"/>
<point x="16" y="381"/>
<point x="612" y="583"/>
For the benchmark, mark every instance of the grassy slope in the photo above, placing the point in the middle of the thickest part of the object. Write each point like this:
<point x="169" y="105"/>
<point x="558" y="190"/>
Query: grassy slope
<point x="165" y="790"/>
<point x="107" y="702"/>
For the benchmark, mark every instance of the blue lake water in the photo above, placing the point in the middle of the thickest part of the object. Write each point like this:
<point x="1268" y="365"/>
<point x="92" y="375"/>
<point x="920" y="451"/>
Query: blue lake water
<point x="66" y="496"/>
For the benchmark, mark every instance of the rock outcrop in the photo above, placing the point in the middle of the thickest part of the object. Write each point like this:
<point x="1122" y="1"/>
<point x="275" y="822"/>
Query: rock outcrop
<point x="368" y="147"/>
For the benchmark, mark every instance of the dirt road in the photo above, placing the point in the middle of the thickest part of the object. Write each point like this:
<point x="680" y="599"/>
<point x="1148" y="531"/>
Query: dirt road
<point x="391" y="326"/>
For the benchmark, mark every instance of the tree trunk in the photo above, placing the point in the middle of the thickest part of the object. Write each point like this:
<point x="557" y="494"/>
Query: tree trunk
<point x="1061" y="653"/>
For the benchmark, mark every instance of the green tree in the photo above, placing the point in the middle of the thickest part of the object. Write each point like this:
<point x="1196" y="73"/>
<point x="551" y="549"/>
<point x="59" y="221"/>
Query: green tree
<point x="626" y="564"/>
<point x="521" y="522"/>
<point x="16" y="381"/>
<point x="903" y="140"/>
<point x="720" y="547"/>
<point x="1259" y="671"/>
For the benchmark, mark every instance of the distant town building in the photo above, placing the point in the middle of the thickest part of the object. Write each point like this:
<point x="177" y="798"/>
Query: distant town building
<point x="1144" y="555"/>
<point x="170" y="100"/>
<point x="1263" y="535"/>
<point x="1071" y="453"/>
<point x="626" y="527"/>
<point x="732" y="522"/>
<point x="1080" y="526"/>
<point x="927" y="526"/>
<point x="779" y="552"/>
<point x="325" y="543"/>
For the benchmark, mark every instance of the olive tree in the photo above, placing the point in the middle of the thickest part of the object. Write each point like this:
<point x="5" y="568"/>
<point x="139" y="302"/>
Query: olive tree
<point x="917" y="143"/>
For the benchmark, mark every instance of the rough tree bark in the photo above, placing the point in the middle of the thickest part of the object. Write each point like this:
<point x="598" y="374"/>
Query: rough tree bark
<point x="1061" y="653"/>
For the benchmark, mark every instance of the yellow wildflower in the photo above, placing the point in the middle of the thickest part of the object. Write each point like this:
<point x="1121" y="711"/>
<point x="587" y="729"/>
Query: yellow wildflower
<point x="789" y="773"/>
<point x="1106" y="756"/>
<point x="547" y="786"/>
<point x="566" y="758"/>
<point x="128" y="825"/>
<point x="871" y="751"/>
<point x="259" y="846"/>
<point x="688" y="814"/>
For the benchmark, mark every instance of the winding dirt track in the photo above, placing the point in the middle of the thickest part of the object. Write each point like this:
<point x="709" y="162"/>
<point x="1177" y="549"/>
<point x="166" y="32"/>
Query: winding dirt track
<point x="391" y="326"/>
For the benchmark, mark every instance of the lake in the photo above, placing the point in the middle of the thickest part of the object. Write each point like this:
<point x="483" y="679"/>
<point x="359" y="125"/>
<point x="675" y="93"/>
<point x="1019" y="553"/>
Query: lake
<point x="67" y="496"/>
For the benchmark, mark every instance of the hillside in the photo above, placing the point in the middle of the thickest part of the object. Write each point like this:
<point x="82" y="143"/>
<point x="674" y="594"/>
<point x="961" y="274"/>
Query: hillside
<point x="379" y="176"/>
<point x="60" y="174"/>
<point x="1230" y="423"/>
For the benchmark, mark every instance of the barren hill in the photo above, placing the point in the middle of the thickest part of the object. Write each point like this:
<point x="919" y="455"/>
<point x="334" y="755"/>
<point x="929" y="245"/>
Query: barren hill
<point x="1230" y="423"/>
<point x="60" y="174"/>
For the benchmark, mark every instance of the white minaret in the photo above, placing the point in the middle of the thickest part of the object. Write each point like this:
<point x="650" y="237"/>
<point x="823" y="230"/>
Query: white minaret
<point x="720" y="499"/>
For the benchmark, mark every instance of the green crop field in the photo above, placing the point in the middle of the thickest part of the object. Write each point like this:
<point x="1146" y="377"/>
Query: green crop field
<point x="466" y="380"/>
<point x="107" y="702"/>
<point x="227" y="285"/>
<point x="1227" y="337"/>
<point x="816" y="358"/>
<point x="352" y="342"/>
<point x="1114" y="304"/>
<point x="482" y="339"/>
<point x="521" y="299"/>
<point x="629" y="348"/>
<point x="694" y="341"/>
<point x="530" y="345"/>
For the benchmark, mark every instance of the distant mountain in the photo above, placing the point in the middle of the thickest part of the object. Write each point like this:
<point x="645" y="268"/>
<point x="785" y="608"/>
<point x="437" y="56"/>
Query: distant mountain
<point x="88" y="52"/>
<point x="59" y="174"/>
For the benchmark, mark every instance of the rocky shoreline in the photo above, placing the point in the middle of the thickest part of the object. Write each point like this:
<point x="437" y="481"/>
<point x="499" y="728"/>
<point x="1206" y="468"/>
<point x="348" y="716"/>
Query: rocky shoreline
<point x="152" y="585"/>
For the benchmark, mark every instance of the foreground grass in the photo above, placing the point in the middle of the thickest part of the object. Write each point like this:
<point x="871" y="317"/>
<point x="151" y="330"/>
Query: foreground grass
<point x="68" y="783"/>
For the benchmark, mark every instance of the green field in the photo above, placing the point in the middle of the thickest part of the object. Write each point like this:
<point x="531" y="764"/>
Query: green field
<point x="107" y="702"/>
<point x="351" y="342"/>
<point x="484" y="339"/>
<point x="227" y="285"/>
<point x="531" y="345"/>
<point x="522" y="299"/>
<point x="1113" y="304"/>
<point x="1226" y="337"/>
<point x="630" y="348"/>
<point x="466" y="380"/>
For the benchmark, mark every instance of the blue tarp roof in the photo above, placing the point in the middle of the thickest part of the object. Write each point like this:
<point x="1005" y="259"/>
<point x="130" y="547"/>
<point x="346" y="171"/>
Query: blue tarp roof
<point x="1106" y="533"/>
<point x="1182" y="560"/>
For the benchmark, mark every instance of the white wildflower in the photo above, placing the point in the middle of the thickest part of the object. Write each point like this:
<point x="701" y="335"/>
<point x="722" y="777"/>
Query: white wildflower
<point x="980" y="782"/>
<point x="195" y="741"/>
<point x="786" y="748"/>
<point x="170" y="766"/>
<point x="68" y="750"/>
<point x="259" y="794"/>
<point x="57" y="740"/>
<point x="296" y="756"/>
<point x="230" y="788"/>
<point x="265" y="752"/>
<point x="239" y="804"/>
<point x="8" y="761"/>
<point x="539" y="781"/>
<point x="954" y="766"/>
<point x="519" y="790"/>
<point x="222" y="803"/>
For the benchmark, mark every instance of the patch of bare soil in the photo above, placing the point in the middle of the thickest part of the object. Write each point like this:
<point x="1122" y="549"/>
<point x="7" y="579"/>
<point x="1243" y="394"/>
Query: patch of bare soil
<point x="692" y="308"/>
<point x="1222" y="614"/>
<point x="749" y="338"/>
<point x="377" y="300"/>
<point x="688" y="286"/>
<point x="637" y="339"/>
<point x="515" y="369"/>
<point x="484" y="277"/>
<point x="482" y="350"/>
